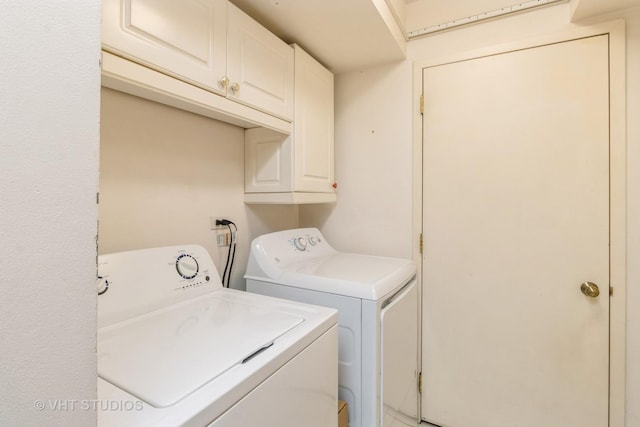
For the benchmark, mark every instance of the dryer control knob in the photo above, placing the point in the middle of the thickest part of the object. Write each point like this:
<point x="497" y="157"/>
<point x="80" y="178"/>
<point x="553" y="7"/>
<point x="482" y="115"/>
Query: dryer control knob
<point x="300" y="243"/>
<point x="313" y="240"/>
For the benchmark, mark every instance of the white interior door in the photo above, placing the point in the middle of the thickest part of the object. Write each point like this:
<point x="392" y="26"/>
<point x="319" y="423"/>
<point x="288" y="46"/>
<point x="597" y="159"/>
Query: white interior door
<point x="515" y="218"/>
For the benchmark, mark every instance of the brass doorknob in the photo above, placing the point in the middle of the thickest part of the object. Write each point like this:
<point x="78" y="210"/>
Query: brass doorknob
<point x="590" y="289"/>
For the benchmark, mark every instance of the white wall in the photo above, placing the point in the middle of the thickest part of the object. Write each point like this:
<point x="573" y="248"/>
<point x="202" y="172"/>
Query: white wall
<point x="374" y="169"/>
<point x="373" y="165"/>
<point x="49" y="116"/>
<point x="164" y="172"/>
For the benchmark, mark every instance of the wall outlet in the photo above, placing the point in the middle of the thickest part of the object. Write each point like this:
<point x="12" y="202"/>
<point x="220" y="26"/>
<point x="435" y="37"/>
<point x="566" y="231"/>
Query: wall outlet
<point x="223" y="238"/>
<point x="223" y="235"/>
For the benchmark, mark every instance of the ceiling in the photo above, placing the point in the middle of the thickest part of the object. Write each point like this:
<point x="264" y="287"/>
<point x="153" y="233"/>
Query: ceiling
<point x="342" y="34"/>
<point x="346" y="35"/>
<point x="582" y="9"/>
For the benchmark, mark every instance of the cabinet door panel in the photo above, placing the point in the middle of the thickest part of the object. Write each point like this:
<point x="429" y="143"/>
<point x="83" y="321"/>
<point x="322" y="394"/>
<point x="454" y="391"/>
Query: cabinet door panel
<point x="260" y="64"/>
<point x="268" y="161"/>
<point x="313" y="130"/>
<point x="185" y="39"/>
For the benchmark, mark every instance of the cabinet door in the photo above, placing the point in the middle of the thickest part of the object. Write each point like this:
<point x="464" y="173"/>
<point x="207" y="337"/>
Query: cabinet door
<point x="259" y="67"/>
<point x="268" y="161"/>
<point x="185" y="39"/>
<point x="313" y="128"/>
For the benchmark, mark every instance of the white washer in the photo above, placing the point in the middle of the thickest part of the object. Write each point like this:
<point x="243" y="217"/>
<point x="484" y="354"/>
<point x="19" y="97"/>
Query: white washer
<point x="175" y="348"/>
<point x="377" y="301"/>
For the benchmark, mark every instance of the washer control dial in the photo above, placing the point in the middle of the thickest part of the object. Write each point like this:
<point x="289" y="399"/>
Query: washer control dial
<point x="187" y="266"/>
<point x="103" y="285"/>
<point x="300" y="243"/>
<point x="313" y="240"/>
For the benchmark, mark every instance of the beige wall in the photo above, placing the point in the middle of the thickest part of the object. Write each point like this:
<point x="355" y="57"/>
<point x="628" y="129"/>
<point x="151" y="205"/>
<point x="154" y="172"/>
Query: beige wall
<point x="373" y="165"/>
<point x="164" y="172"/>
<point x="373" y="152"/>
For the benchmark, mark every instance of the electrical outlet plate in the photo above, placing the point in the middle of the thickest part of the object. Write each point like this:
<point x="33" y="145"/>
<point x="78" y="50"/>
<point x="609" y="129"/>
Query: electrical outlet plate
<point x="222" y="238"/>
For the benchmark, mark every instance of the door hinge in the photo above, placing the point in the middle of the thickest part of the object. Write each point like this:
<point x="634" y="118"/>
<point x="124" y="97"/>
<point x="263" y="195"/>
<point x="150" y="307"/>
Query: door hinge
<point x="421" y="243"/>
<point x="420" y="383"/>
<point x="422" y="104"/>
<point x="610" y="291"/>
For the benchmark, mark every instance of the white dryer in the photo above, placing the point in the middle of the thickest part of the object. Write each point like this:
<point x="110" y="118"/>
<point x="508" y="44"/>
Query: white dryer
<point x="175" y="348"/>
<point x="377" y="303"/>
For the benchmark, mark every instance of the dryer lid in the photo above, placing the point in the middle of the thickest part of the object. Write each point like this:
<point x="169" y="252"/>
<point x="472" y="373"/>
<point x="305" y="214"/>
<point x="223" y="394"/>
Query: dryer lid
<point x="162" y="357"/>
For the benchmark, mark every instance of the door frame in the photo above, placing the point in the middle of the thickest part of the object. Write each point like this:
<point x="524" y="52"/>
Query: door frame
<point x="617" y="189"/>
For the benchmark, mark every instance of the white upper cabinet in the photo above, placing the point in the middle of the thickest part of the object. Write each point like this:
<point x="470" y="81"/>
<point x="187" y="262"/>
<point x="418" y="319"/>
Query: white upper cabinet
<point x="211" y="58"/>
<point x="313" y="125"/>
<point x="207" y="43"/>
<point x="185" y="39"/>
<point x="296" y="168"/>
<point x="259" y="65"/>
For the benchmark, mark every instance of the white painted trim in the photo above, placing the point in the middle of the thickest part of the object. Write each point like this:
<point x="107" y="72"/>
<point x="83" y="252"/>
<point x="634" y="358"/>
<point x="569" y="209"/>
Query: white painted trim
<point x="292" y="198"/>
<point x="618" y="209"/>
<point x="132" y="78"/>
<point x="617" y="67"/>
<point x="473" y="19"/>
<point x="417" y="227"/>
<point x="393" y="25"/>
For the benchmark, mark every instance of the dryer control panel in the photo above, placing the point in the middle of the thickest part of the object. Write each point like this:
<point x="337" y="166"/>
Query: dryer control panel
<point x="287" y="247"/>
<point x="306" y="242"/>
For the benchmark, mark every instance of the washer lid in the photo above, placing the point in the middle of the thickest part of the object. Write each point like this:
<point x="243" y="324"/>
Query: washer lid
<point x="360" y="276"/>
<point x="162" y="357"/>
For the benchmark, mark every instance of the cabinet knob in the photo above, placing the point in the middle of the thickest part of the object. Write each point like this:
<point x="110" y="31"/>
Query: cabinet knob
<point x="335" y="185"/>
<point x="224" y="82"/>
<point x="235" y="88"/>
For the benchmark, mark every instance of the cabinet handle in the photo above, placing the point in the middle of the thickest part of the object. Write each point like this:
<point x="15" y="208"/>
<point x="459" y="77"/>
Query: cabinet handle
<point x="235" y="88"/>
<point x="224" y="82"/>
